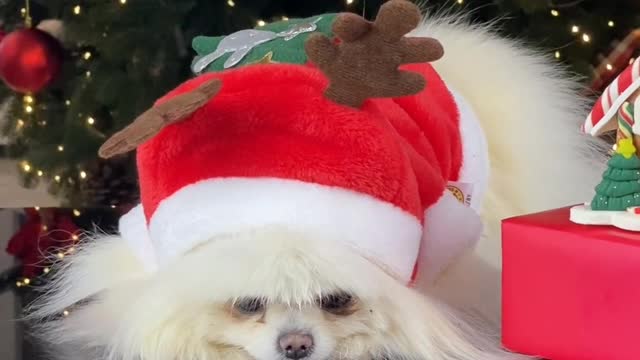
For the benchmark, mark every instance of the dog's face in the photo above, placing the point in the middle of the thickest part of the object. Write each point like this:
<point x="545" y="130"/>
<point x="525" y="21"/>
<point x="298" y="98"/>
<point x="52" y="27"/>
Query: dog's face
<point x="338" y="325"/>
<point x="264" y="295"/>
<point x="299" y="303"/>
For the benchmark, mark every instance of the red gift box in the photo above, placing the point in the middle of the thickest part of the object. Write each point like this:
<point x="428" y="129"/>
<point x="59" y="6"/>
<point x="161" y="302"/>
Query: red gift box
<point x="570" y="292"/>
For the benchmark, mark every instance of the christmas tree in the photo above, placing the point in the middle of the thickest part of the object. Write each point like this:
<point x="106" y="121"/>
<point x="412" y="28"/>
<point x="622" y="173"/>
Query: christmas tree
<point x="620" y="186"/>
<point x="120" y="55"/>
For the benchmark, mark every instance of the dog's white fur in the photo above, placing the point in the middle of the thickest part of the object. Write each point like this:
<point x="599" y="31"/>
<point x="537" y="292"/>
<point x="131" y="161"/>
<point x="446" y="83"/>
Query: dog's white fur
<point x="530" y="113"/>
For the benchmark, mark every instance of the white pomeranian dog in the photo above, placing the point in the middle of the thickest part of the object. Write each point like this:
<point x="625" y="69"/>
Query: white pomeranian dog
<point x="271" y="293"/>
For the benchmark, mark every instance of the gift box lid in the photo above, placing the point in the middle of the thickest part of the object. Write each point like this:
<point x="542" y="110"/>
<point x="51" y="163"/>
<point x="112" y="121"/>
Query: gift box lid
<point x="558" y="220"/>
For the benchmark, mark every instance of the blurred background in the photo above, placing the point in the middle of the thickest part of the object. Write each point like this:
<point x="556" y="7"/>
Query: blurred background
<point x="75" y="71"/>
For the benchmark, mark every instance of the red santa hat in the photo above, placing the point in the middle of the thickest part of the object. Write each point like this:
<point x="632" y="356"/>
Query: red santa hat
<point x="360" y="159"/>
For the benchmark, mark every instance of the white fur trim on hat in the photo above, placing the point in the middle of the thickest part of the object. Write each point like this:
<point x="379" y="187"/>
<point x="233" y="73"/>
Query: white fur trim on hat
<point x="195" y="214"/>
<point x="133" y="229"/>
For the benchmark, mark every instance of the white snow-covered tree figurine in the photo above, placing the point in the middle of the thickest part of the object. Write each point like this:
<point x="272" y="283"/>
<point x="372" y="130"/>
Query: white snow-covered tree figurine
<point x="617" y="198"/>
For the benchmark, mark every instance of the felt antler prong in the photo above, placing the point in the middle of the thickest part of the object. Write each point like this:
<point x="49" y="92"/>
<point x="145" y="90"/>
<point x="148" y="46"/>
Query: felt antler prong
<point x="365" y="63"/>
<point x="153" y="120"/>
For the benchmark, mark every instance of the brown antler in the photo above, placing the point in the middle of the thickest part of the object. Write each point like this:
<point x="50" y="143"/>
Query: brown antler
<point x="153" y="120"/>
<point x="365" y="63"/>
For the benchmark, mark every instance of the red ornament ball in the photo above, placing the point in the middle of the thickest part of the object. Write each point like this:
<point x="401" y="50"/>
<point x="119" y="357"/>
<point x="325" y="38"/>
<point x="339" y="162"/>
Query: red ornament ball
<point x="29" y="60"/>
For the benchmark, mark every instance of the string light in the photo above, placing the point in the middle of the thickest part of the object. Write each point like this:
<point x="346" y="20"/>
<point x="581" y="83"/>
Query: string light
<point x="575" y="29"/>
<point x="37" y="208"/>
<point x="26" y="167"/>
<point x="60" y="148"/>
<point x="19" y="283"/>
<point x="65" y="313"/>
<point x="86" y="55"/>
<point x="83" y="175"/>
<point x="40" y="173"/>
<point x="261" y="23"/>
<point x="26" y="281"/>
<point x="67" y="102"/>
<point x="91" y="120"/>
<point x="28" y="21"/>
<point x="76" y="212"/>
<point x="460" y="2"/>
<point x="74" y="237"/>
<point x="57" y="178"/>
<point x="71" y="250"/>
<point x="231" y="3"/>
<point x="28" y="109"/>
<point x="46" y="270"/>
<point x="113" y="206"/>
<point x="77" y="9"/>
<point x="609" y="67"/>
<point x="28" y="99"/>
<point x="88" y="74"/>
<point x="557" y="54"/>
<point x="19" y="124"/>
<point x="285" y="18"/>
<point x="349" y="2"/>
<point x="555" y="12"/>
<point x="123" y="2"/>
<point x="42" y="123"/>
<point x="586" y="38"/>
<point x="60" y="256"/>
<point x="611" y="23"/>
<point x="23" y="12"/>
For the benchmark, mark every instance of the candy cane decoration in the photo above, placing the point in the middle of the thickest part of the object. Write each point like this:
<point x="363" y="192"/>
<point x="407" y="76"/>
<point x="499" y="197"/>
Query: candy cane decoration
<point x="619" y="91"/>
<point x="627" y="125"/>
<point x="625" y="122"/>
<point x="636" y="115"/>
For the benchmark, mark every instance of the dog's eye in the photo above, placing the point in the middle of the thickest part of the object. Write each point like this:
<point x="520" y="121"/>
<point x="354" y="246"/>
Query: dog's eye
<point x="338" y="303"/>
<point x="249" y="306"/>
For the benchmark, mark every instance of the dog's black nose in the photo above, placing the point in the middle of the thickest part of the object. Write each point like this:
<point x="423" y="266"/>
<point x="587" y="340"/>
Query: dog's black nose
<point x="296" y="345"/>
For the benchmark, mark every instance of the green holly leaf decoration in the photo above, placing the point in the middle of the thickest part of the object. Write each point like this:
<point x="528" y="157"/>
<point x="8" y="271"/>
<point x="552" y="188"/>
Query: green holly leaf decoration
<point x="277" y="50"/>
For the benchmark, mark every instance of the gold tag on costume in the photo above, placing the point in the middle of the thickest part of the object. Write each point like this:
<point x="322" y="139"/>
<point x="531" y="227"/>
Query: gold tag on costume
<point x="461" y="191"/>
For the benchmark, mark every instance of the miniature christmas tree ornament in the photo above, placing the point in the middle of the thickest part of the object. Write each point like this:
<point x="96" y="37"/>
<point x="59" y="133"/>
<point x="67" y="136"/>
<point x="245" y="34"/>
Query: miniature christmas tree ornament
<point x="617" y="197"/>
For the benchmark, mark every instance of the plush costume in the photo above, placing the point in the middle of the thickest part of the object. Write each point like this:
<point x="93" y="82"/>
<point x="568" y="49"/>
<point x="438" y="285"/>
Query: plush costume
<point x="344" y="146"/>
